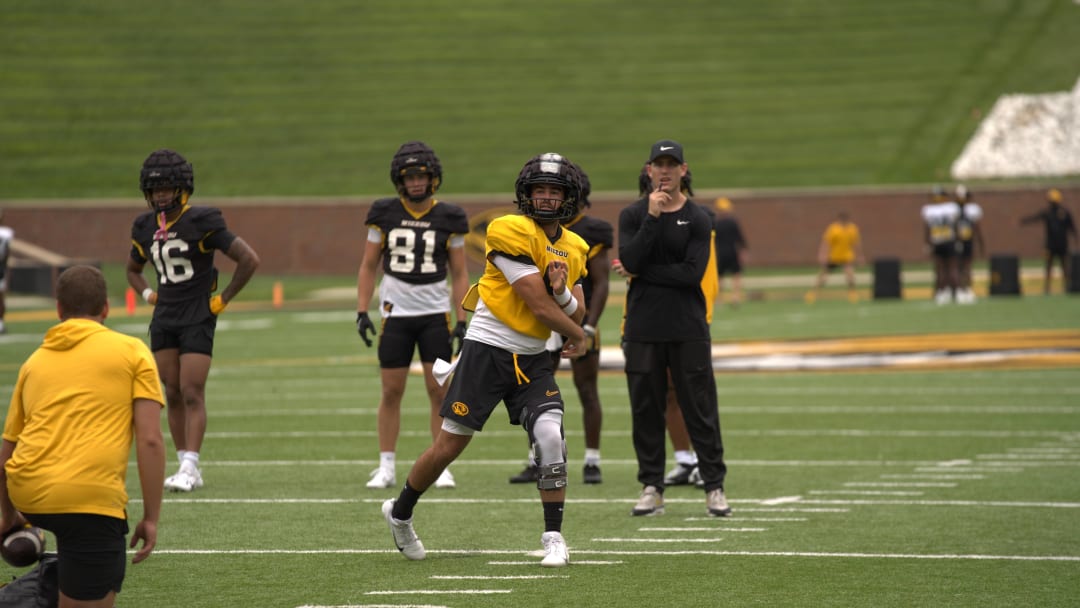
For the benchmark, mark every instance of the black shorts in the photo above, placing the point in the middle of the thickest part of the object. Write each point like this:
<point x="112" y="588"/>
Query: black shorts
<point x="486" y="375"/>
<point x="965" y="249"/>
<point x="196" y="338"/>
<point x="401" y="336"/>
<point x="91" y="552"/>
<point x="728" y="264"/>
<point x="944" y="250"/>
<point x="1060" y="253"/>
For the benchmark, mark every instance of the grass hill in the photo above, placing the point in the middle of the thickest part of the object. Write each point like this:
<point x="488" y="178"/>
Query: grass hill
<point x="283" y="98"/>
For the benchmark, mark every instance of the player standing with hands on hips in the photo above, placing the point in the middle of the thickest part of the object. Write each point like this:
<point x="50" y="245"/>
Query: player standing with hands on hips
<point x="530" y="287"/>
<point x="180" y="241"/>
<point x="664" y="244"/>
<point x="417" y="238"/>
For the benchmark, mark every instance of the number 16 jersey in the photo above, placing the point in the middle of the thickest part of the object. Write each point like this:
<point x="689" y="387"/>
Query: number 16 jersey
<point x="184" y="262"/>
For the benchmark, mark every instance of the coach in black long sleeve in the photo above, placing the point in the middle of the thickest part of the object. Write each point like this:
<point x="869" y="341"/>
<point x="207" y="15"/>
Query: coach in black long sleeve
<point x="664" y="242"/>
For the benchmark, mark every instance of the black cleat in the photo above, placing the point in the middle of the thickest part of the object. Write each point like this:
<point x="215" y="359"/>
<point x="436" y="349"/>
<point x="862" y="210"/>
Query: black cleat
<point x="680" y="475"/>
<point x="528" y="475"/>
<point x="591" y="474"/>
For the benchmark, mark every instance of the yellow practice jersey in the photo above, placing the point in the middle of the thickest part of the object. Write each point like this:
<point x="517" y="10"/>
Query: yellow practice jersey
<point x="71" y="419"/>
<point x="521" y="239"/>
<point x="841" y="240"/>
<point x="710" y="283"/>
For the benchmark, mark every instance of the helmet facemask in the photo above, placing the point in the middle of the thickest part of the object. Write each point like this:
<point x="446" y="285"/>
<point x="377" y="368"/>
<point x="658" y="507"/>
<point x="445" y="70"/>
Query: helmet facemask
<point x="411" y="158"/>
<point x="167" y="170"/>
<point x="555" y="170"/>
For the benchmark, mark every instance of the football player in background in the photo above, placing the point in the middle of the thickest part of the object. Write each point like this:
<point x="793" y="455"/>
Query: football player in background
<point x="969" y="242"/>
<point x="666" y="245"/>
<point x="530" y="288"/>
<point x="6" y="236"/>
<point x="599" y="236"/>
<point x="180" y="240"/>
<point x="415" y="239"/>
<point x="82" y="400"/>
<point x="841" y="247"/>
<point x="1059" y="226"/>
<point x="731" y="249"/>
<point x="939" y="221"/>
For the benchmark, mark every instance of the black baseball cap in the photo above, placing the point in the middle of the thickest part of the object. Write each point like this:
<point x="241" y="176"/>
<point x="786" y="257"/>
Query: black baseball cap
<point x="667" y="147"/>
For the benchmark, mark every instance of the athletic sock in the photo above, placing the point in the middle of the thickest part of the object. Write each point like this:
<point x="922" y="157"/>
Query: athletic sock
<point x="190" y="460"/>
<point x="387" y="460"/>
<point x="686" y="458"/>
<point x="403" y="508"/>
<point x="553" y="515"/>
<point x="592" y="456"/>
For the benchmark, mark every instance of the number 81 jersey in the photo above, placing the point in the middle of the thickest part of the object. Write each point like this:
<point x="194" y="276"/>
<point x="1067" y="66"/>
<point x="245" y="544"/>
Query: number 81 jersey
<point x="415" y="252"/>
<point x="184" y="260"/>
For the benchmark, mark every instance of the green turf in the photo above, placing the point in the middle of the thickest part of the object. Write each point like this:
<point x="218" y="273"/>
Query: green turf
<point x="990" y="520"/>
<point x="290" y="99"/>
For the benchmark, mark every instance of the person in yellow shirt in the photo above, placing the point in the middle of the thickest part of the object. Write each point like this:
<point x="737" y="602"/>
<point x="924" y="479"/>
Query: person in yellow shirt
<point x="80" y="401"/>
<point x="841" y="247"/>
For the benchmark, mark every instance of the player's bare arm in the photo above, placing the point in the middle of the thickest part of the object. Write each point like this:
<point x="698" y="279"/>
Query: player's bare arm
<point x="246" y="262"/>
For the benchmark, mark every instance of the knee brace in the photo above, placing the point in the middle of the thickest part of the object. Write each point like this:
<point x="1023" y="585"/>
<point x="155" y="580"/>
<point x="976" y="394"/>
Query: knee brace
<point x="550" y="450"/>
<point x="551" y="476"/>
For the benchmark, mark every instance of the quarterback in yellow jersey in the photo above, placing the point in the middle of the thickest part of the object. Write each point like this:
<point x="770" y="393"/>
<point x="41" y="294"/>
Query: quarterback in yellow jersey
<point x="530" y="288"/>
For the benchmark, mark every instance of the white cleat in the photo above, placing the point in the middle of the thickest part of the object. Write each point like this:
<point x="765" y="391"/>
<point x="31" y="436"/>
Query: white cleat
<point x="381" y="479"/>
<point x="445" y="480"/>
<point x="405" y="538"/>
<point x="184" y="481"/>
<point x="556" y="554"/>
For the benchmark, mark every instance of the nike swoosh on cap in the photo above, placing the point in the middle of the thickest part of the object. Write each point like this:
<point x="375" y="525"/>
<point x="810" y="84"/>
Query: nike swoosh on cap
<point x="666" y="148"/>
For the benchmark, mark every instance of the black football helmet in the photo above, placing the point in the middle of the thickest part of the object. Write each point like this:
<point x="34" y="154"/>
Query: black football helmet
<point x="554" y="169"/>
<point x="584" y="185"/>
<point x="938" y="194"/>
<point x="163" y="170"/>
<point x="415" y="157"/>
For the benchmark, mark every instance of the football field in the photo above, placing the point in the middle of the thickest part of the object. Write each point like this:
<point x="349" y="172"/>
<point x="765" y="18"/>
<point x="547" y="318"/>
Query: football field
<point x="935" y="486"/>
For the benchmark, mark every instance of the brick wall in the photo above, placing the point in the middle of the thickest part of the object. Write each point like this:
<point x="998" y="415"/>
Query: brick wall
<point x="326" y="235"/>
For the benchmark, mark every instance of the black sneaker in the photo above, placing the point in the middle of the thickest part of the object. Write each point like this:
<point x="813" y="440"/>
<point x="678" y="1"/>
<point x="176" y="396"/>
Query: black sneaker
<point x="680" y="475"/>
<point x="591" y="474"/>
<point x="528" y="475"/>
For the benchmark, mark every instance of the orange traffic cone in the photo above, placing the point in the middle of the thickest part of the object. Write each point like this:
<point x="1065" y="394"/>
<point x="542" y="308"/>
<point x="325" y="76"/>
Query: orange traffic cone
<point x="129" y="301"/>
<point x="278" y="294"/>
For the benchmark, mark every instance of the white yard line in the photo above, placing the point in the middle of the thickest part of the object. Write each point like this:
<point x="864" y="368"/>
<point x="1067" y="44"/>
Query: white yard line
<point x="619" y="552"/>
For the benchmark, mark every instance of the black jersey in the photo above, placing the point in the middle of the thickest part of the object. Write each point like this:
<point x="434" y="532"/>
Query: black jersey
<point x="729" y="238"/>
<point x="1059" y="223"/>
<point x="668" y="257"/>
<point x="184" y="261"/>
<point x="598" y="235"/>
<point x="416" y="247"/>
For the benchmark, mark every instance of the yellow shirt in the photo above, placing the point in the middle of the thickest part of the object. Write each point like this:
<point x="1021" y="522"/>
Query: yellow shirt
<point x="520" y="238"/>
<point x="841" y="240"/>
<point x="71" y="419"/>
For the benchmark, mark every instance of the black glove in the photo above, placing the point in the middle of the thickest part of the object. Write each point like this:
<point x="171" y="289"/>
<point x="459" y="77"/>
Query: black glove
<point x="363" y="326"/>
<point x="459" y="335"/>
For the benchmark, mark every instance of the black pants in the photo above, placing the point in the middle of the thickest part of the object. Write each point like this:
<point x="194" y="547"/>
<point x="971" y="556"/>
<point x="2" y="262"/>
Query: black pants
<point x="690" y="363"/>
